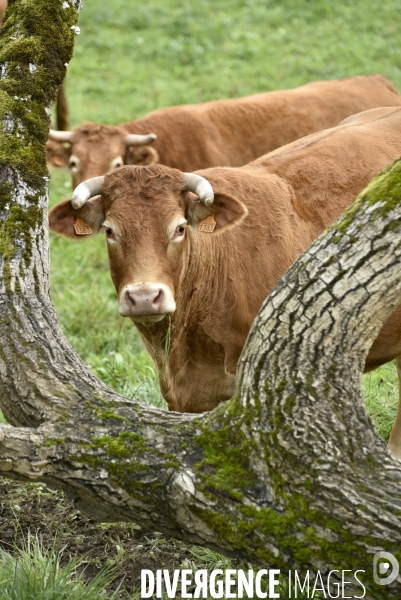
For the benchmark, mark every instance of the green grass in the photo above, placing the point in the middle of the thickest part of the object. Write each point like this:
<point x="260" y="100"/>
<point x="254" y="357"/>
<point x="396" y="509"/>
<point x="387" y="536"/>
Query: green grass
<point x="36" y="573"/>
<point x="380" y="391"/>
<point x="134" y="57"/>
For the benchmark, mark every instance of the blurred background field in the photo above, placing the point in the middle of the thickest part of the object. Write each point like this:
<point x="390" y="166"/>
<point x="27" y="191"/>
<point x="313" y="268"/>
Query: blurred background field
<point x="133" y="57"/>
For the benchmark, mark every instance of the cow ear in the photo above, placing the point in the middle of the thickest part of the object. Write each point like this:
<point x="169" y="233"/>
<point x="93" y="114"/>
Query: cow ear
<point x="77" y="224"/>
<point x="57" y="154"/>
<point x="141" y="155"/>
<point x="226" y="211"/>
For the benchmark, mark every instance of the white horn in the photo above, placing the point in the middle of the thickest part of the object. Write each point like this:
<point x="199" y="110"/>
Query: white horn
<point x="85" y="190"/>
<point x="134" y="139"/>
<point x="199" y="186"/>
<point x="60" y="136"/>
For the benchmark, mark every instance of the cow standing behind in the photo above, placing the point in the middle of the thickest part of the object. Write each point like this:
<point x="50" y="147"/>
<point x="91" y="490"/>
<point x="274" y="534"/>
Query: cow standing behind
<point x="224" y="132"/>
<point x="206" y="287"/>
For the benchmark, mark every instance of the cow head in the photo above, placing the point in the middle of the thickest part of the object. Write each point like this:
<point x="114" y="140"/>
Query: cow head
<point x="94" y="150"/>
<point x="149" y="216"/>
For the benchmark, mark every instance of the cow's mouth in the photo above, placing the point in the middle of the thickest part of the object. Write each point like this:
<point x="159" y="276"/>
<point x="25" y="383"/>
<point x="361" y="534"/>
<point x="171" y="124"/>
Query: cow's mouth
<point x="148" y="319"/>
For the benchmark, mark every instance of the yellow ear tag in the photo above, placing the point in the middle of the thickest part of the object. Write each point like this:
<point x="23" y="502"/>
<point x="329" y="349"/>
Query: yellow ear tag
<point x="207" y="225"/>
<point x="82" y="228"/>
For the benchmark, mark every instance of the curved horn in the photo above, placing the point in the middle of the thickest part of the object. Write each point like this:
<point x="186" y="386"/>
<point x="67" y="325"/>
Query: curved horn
<point x="85" y="190"/>
<point x="60" y="136"/>
<point x="134" y="139"/>
<point x="199" y="186"/>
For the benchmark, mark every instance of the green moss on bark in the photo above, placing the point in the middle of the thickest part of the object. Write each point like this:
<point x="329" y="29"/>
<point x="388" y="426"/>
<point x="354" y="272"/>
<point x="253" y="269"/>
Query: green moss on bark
<point x="124" y="445"/>
<point x="385" y="188"/>
<point x="289" y="531"/>
<point x="54" y="442"/>
<point x="227" y="450"/>
<point x="36" y="42"/>
<point x="122" y="456"/>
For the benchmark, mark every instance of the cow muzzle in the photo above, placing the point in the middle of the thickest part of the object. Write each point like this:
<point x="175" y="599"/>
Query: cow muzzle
<point x="146" y="302"/>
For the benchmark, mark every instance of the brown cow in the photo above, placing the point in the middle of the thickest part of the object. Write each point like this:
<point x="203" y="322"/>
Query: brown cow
<point x="199" y="270"/>
<point x="223" y="132"/>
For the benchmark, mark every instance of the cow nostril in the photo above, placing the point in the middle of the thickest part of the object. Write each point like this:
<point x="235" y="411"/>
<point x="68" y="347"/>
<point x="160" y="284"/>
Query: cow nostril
<point x="159" y="298"/>
<point x="129" y="299"/>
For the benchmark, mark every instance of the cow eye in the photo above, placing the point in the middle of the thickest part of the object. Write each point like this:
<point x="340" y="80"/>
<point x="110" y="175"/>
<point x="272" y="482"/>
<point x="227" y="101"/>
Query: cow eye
<point x="73" y="164"/>
<point x="110" y="235"/>
<point x="180" y="230"/>
<point x="117" y="162"/>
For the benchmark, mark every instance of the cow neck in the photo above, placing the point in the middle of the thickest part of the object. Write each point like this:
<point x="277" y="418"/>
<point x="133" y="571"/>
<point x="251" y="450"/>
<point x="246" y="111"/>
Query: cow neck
<point x="155" y="337"/>
<point x="200" y="301"/>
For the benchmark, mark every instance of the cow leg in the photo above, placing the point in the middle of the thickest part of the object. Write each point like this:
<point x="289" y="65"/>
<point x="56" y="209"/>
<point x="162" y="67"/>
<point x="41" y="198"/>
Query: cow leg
<point x="394" y="444"/>
<point x="62" y="113"/>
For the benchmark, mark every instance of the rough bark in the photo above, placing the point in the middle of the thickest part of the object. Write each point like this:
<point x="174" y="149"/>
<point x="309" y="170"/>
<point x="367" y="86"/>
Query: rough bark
<point x="290" y="472"/>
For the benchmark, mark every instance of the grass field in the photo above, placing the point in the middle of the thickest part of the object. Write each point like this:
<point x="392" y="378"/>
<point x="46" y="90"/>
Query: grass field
<point x="134" y="57"/>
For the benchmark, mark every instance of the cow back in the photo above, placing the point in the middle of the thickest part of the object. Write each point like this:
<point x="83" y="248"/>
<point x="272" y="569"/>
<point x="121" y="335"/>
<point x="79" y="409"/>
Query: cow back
<point x="234" y="132"/>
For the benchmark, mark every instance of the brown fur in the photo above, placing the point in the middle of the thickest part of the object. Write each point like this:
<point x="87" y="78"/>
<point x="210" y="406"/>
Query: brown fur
<point x="229" y="132"/>
<point x="3" y="6"/>
<point x="62" y="111"/>
<point x="273" y="209"/>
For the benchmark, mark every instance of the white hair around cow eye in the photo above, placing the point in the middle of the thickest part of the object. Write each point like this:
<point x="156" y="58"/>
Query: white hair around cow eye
<point x="110" y="235"/>
<point x="74" y="163"/>
<point x="179" y="231"/>
<point x="117" y="162"/>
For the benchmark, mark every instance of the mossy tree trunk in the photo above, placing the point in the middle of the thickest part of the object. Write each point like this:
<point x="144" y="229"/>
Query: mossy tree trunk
<point x="289" y="473"/>
<point x="37" y="40"/>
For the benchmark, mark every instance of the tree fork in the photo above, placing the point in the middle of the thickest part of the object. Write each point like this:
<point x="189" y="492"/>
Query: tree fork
<point x="290" y="472"/>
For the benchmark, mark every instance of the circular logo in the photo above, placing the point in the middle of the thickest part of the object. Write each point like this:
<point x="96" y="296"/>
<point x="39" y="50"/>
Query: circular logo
<point x="382" y="561"/>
